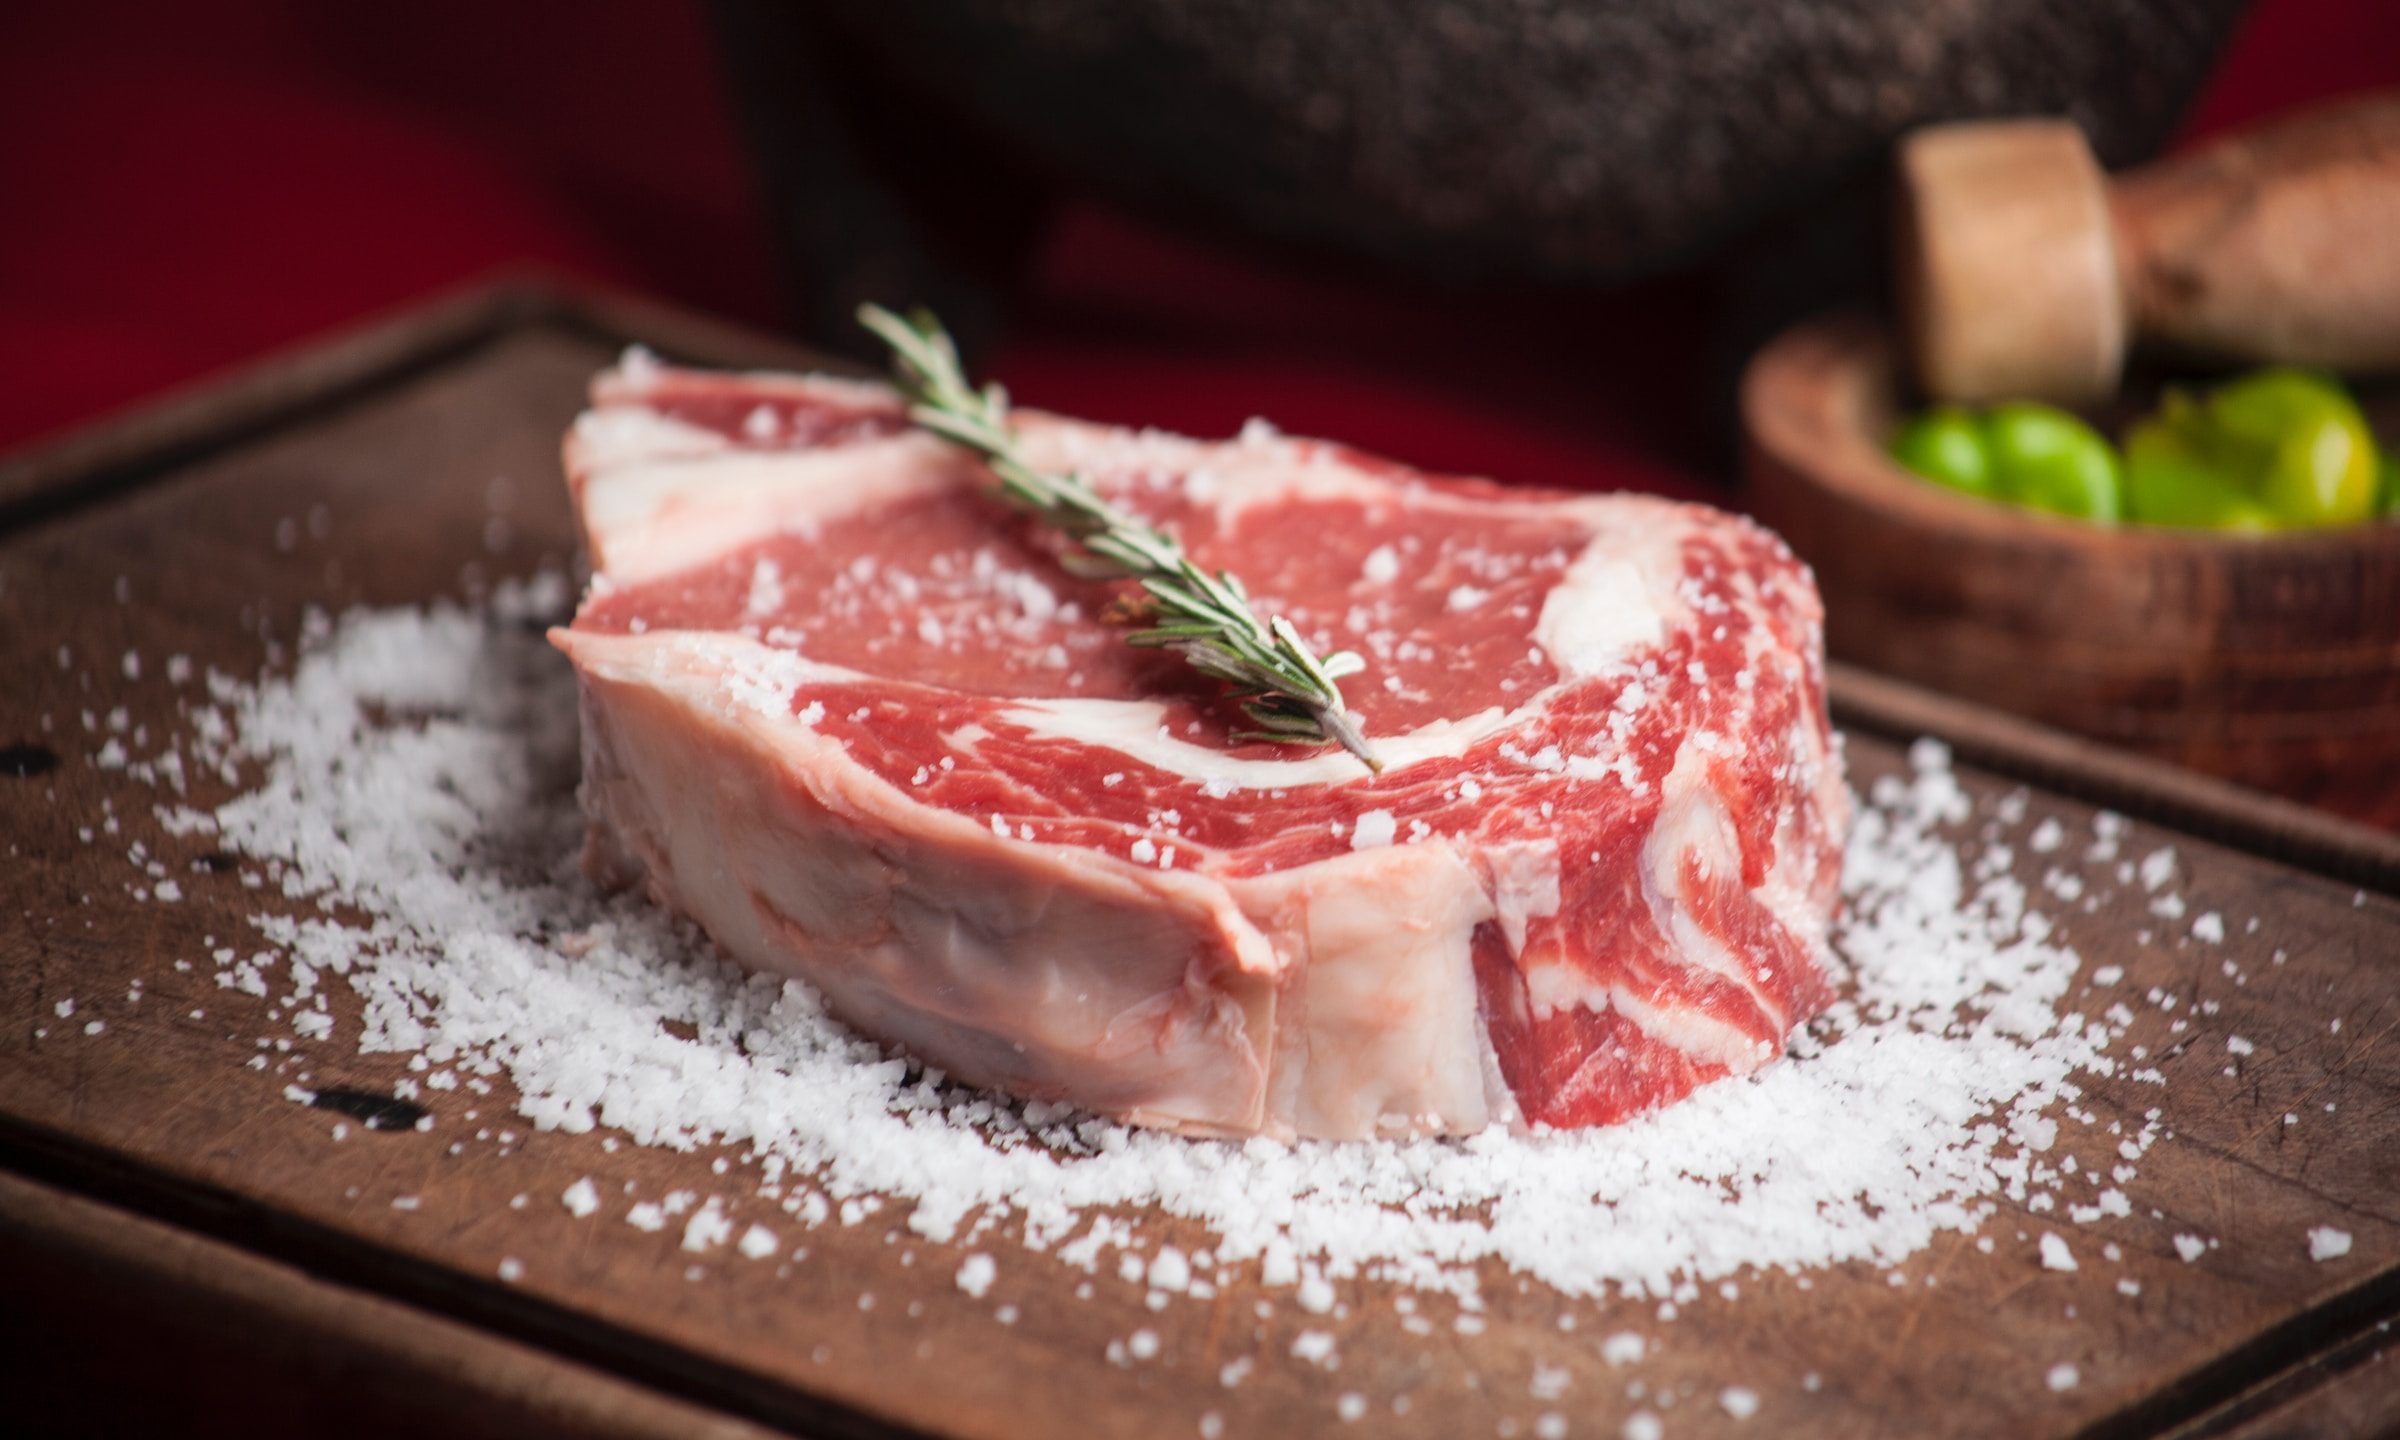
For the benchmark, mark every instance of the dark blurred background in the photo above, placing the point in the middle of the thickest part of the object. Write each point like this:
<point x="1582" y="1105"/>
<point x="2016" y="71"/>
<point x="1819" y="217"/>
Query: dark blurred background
<point x="1423" y="235"/>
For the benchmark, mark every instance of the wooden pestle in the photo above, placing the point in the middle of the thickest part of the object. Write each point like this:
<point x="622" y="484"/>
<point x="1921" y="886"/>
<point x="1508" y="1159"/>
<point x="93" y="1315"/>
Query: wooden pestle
<point x="2024" y="273"/>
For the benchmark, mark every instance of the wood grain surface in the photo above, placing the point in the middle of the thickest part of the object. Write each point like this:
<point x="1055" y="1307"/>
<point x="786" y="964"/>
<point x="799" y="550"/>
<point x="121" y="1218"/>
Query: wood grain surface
<point x="388" y="492"/>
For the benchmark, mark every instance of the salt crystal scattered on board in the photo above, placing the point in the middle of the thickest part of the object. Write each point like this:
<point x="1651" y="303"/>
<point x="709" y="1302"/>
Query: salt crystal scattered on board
<point x="1169" y="1270"/>
<point x="708" y="1228"/>
<point x="2327" y="1243"/>
<point x="1315" y="1296"/>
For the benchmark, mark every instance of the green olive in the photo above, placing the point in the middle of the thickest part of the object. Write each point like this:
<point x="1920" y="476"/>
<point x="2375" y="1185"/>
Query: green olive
<point x="2170" y="480"/>
<point x="2047" y="459"/>
<point x="1945" y="445"/>
<point x="2303" y="441"/>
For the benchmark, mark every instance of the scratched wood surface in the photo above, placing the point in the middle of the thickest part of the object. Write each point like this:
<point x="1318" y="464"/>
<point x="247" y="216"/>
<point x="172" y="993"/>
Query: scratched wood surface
<point x="402" y="479"/>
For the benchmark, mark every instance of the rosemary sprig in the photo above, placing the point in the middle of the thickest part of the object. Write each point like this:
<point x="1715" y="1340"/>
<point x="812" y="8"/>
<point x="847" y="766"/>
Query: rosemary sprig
<point x="1288" y="692"/>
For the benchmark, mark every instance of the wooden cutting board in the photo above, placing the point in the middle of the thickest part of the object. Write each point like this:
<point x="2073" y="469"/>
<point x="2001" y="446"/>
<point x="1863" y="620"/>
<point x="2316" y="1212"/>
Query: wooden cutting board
<point x="187" y="1246"/>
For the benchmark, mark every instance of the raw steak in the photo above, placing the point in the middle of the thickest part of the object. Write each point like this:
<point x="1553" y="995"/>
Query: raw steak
<point x="849" y="713"/>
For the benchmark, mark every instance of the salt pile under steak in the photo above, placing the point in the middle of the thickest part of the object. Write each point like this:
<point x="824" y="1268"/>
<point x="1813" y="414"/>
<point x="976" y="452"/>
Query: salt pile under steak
<point x="853" y="717"/>
<point x="407" y="799"/>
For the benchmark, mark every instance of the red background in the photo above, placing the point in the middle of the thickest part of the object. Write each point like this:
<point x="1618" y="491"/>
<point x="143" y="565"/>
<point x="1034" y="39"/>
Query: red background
<point x="184" y="187"/>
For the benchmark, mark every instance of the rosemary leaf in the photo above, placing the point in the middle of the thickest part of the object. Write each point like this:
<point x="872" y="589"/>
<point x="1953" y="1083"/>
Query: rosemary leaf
<point x="1286" y="690"/>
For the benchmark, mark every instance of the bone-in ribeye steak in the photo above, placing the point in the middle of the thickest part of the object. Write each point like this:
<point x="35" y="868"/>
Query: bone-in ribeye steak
<point x="847" y="711"/>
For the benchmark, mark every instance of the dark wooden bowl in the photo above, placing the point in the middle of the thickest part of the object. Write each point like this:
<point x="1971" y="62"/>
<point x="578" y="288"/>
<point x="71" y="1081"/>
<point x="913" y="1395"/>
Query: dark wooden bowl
<point x="2274" y="660"/>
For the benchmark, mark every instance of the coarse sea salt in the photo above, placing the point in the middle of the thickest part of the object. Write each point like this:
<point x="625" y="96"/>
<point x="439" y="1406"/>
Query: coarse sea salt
<point x="408" y="791"/>
<point x="2056" y="1255"/>
<point x="2326" y="1242"/>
